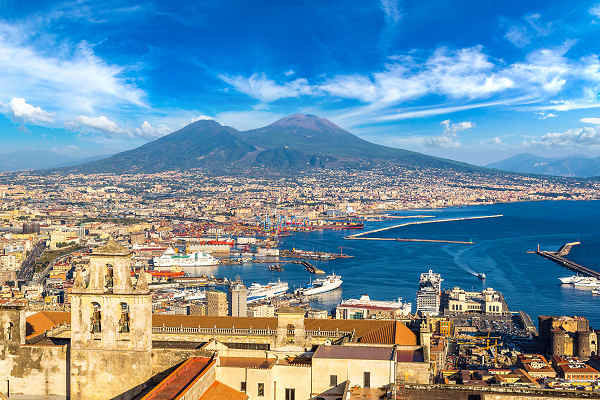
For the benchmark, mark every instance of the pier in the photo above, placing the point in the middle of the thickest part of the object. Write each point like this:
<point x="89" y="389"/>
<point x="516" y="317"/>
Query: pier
<point x="360" y="236"/>
<point x="557" y="257"/>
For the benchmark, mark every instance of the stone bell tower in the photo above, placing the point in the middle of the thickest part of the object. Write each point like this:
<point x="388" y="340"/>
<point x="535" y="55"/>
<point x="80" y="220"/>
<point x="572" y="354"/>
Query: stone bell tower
<point x="111" y="327"/>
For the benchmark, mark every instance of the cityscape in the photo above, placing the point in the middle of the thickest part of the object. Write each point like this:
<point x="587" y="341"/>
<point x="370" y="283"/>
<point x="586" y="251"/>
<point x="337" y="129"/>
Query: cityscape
<point x="307" y="200"/>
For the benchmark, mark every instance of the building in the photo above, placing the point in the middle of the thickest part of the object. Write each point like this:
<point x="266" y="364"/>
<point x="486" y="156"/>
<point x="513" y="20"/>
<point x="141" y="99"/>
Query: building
<point x="236" y="300"/>
<point x="261" y="311"/>
<point x="574" y="370"/>
<point x="216" y="303"/>
<point x="429" y="293"/>
<point x="537" y="366"/>
<point x="111" y="346"/>
<point x="567" y="336"/>
<point x="488" y="301"/>
<point x="365" y="308"/>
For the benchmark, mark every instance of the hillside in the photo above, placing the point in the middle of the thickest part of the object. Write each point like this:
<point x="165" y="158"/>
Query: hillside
<point x="295" y="143"/>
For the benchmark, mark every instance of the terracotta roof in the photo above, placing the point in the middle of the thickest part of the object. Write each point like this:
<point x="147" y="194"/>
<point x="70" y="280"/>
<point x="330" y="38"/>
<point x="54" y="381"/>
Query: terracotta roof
<point x="394" y="332"/>
<point x="354" y="352"/>
<point x="40" y="322"/>
<point x="182" y="378"/>
<point x="220" y="391"/>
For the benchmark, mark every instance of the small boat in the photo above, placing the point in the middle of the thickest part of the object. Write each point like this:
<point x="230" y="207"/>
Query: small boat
<point x="275" y="267"/>
<point x="480" y="275"/>
<point x="596" y="292"/>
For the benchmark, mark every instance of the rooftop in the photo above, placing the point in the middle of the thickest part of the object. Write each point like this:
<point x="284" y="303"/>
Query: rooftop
<point x="354" y="352"/>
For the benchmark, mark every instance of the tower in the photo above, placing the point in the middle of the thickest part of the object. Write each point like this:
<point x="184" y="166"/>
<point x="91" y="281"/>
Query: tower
<point x="236" y="298"/>
<point x="216" y="302"/>
<point x="111" y="327"/>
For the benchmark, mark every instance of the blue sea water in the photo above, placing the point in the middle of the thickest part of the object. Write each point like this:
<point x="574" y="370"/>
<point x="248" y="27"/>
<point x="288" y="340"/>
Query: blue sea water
<point x="387" y="270"/>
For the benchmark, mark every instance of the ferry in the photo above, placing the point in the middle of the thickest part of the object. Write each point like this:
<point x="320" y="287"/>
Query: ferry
<point x="258" y="292"/>
<point x="197" y="259"/>
<point x="321" y="285"/>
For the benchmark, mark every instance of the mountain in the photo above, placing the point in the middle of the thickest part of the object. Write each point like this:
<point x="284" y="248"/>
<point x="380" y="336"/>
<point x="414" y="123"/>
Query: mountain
<point x="295" y="143"/>
<point x="580" y="167"/>
<point x="40" y="159"/>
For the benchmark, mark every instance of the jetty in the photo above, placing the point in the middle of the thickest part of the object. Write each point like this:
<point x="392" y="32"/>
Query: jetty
<point x="360" y="236"/>
<point x="558" y="257"/>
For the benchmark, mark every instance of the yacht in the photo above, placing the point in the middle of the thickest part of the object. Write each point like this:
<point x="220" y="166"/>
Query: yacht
<point x="571" y="280"/>
<point x="321" y="285"/>
<point x="588" y="282"/>
<point x="258" y="292"/>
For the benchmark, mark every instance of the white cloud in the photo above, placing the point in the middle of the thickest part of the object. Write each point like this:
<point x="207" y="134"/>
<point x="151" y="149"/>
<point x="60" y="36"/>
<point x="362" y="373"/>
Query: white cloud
<point x="289" y="72"/>
<point x="496" y="140"/>
<point x="594" y="120"/>
<point x="595" y="11"/>
<point x="391" y="11"/>
<point x="449" y="139"/>
<point x="265" y="89"/>
<point x="147" y="130"/>
<point x="244" y="120"/>
<point x="518" y="36"/>
<point x="544" y="115"/>
<point x="580" y="138"/>
<point x="68" y="78"/>
<point x="100" y="123"/>
<point x="22" y="111"/>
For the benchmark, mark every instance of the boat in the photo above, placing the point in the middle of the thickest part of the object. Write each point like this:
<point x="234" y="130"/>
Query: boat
<point x="197" y="259"/>
<point x="321" y="285"/>
<point x="588" y="282"/>
<point x="480" y="275"/>
<point x="275" y="267"/>
<point x="570" y="280"/>
<point x="596" y="291"/>
<point x="258" y="292"/>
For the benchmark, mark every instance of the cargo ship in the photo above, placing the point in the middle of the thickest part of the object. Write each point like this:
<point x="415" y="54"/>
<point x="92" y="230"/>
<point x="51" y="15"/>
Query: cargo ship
<point x="197" y="259"/>
<point x="321" y="285"/>
<point x="257" y="292"/>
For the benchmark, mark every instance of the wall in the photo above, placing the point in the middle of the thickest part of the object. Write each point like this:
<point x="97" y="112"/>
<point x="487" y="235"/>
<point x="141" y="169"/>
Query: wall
<point x="382" y="372"/>
<point x="412" y="372"/>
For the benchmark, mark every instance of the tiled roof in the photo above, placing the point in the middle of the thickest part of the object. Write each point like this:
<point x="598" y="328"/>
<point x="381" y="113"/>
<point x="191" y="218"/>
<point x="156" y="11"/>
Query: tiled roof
<point x="220" y="391"/>
<point x="40" y="322"/>
<point x="193" y="321"/>
<point x="354" y="352"/>
<point x="394" y="332"/>
<point x="178" y="381"/>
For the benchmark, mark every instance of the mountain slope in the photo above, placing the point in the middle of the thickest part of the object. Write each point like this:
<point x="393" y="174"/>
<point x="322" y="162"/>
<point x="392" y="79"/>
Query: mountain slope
<point x="580" y="167"/>
<point x="293" y="144"/>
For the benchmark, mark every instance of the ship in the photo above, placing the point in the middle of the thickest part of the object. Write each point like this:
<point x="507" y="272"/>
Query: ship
<point x="480" y="275"/>
<point x="571" y="280"/>
<point x="588" y="282"/>
<point x="197" y="259"/>
<point x="257" y="292"/>
<point x="321" y="285"/>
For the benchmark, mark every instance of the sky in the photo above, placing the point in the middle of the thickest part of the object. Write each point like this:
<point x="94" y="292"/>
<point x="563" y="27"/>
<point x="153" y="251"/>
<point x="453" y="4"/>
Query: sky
<point x="475" y="81"/>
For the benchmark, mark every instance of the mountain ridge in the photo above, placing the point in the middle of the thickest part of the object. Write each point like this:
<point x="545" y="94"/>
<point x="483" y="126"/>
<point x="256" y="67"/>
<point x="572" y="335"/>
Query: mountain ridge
<point x="572" y="166"/>
<point x="292" y="144"/>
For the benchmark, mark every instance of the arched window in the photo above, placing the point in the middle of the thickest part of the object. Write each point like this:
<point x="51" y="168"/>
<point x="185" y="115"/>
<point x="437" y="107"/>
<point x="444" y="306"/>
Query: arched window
<point x="108" y="277"/>
<point x="124" y="320"/>
<point x="96" y="320"/>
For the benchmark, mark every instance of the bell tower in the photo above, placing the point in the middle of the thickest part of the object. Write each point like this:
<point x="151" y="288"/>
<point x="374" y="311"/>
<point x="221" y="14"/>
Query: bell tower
<point x="111" y="327"/>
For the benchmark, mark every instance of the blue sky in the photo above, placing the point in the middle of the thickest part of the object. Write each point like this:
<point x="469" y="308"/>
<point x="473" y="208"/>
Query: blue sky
<point x="475" y="81"/>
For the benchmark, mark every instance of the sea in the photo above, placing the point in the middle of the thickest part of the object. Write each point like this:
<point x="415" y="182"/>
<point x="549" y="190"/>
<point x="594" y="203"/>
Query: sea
<point x="388" y="270"/>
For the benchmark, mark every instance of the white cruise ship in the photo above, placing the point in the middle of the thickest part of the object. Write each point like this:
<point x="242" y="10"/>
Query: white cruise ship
<point x="197" y="259"/>
<point x="258" y="292"/>
<point x="321" y="285"/>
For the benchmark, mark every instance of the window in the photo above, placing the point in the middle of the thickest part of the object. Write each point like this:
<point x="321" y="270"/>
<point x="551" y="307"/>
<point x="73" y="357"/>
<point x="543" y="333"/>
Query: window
<point x="332" y="380"/>
<point x="243" y="387"/>
<point x="124" y="320"/>
<point x="9" y="331"/>
<point x="96" y="320"/>
<point x="261" y="389"/>
<point x="290" y="394"/>
<point x="367" y="380"/>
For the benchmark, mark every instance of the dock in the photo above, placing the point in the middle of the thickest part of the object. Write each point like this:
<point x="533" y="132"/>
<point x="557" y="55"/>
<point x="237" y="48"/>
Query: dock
<point x="413" y="240"/>
<point x="357" y="235"/>
<point x="558" y="257"/>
